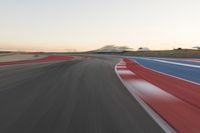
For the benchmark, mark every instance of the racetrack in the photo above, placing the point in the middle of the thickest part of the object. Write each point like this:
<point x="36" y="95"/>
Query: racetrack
<point x="170" y="88"/>
<point x="77" y="96"/>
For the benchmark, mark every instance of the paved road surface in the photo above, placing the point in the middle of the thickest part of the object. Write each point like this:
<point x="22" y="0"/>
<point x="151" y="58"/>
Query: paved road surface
<point x="82" y="96"/>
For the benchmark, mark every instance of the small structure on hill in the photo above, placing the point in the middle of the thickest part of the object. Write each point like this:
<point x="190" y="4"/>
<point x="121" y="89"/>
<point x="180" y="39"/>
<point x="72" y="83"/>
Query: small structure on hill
<point x="113" y="48"/>
<point x="178" y="48"/>
<point x="143" y="49"/>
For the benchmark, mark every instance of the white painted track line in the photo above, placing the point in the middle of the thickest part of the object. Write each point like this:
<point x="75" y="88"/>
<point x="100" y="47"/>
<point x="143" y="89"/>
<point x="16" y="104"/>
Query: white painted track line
<point x="176" y="63"/>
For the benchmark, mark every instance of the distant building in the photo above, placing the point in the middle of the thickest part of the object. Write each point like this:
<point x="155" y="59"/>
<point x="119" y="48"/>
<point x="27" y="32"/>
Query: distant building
<point x="143" y="49"/>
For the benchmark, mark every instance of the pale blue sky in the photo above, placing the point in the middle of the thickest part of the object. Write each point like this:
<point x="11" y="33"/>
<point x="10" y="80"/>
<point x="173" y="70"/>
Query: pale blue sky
<point x="89" y="24"/>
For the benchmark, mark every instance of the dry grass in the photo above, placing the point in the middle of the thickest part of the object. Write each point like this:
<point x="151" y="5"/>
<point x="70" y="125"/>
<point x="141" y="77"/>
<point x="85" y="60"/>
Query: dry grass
<point x="167" y="53"/>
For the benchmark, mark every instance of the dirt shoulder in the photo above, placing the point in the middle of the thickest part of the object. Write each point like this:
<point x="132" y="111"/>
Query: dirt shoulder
<point x="166" y="54"/>
<point x="18" y="57"/>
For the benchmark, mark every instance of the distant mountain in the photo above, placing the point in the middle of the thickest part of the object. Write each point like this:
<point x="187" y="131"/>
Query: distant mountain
<point x="197" y="47"/>
<point x="112" y="48"/>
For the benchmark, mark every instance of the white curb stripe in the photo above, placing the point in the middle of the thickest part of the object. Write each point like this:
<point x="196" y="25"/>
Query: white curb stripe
<point x="159" y="120"/>
<point x="143" y="87"/>
<point x="122" y="64"/>
<point x="125" y="72"/>
<point x="121" y="67"/>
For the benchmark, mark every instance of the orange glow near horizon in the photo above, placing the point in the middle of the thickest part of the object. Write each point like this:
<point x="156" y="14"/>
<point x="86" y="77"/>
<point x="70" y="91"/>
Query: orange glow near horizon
<point x="66" y="48"/>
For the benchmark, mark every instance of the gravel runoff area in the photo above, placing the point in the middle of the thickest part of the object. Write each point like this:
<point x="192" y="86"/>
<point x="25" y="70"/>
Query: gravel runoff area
<point x="18" y="57"/>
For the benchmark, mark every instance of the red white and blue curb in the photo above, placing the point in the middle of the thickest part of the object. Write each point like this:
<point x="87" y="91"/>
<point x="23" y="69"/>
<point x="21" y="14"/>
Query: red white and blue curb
<point x="172" y="102"/>
<point x="120" y="70"/>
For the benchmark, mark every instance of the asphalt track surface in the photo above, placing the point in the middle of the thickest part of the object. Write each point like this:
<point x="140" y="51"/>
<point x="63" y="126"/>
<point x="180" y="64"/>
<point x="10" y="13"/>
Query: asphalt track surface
<point x="79" y="96"/>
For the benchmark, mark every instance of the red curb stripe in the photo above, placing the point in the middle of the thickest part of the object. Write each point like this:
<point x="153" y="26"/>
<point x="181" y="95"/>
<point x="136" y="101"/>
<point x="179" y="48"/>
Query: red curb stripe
<point x="184" y="90"/>
<point x="45" y="59"/>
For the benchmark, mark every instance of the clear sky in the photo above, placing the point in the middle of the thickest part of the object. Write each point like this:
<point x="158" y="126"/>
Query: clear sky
<point x="58" y="25"/>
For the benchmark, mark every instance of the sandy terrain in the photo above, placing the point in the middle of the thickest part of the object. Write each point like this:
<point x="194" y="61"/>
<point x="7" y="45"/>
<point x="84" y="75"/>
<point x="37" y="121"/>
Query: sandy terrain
<point x="17" y="57"/>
